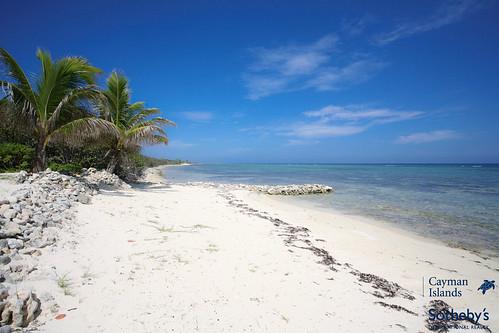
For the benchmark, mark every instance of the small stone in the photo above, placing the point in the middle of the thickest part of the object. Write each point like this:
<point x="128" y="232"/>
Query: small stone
<point x="32" y="308"/>
<point x="10" y="230"/>
<point x="18" y="313"/>
<point x="15" y="243"/>
<point x="4" y="293"/>
<point x="13" y="199"/>
<point x="84" y="199"/>
<point x="5" y="329"/>
<point x="10" y="213"/>
<point x="4" y="260"/>
<point x="4" y="207"/>
<point x="6" y="314"/>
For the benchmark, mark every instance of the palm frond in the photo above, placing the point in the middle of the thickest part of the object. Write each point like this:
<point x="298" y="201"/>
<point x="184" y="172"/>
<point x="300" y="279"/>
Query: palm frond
<point x="78" y="131"/>
<point x="118" y="98"/>
<point x="59" y="79"/>
<point x="15" y="72"/>
<point x="17" y="99"/>
<point x="146" y="134"/>
<point x="74" y="96"/>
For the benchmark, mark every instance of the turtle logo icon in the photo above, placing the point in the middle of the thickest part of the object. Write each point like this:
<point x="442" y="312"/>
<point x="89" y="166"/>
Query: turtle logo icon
<point x="486" y="285"/>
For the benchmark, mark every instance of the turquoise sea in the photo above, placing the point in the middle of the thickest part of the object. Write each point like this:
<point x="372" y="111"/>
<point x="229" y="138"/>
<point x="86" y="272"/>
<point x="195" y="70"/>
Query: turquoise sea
<point x="455" y="203"/>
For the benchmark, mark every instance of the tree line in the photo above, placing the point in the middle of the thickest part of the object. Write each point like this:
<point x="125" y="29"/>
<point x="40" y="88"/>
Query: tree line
<point x="61" y="113"/>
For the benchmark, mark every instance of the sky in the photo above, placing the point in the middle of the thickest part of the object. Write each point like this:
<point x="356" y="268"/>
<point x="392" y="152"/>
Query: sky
<point x="283" y="82"/>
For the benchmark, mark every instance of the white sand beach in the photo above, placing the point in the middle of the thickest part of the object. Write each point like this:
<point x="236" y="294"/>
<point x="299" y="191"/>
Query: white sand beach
<point x="180" y="258"/>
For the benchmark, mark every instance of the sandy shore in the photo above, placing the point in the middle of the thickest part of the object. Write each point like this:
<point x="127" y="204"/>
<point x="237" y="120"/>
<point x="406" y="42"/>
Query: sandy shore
<point x="180" y="258"/>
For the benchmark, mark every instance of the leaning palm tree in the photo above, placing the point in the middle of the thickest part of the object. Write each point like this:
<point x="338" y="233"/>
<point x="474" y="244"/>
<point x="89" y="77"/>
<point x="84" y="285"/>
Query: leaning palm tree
<point x="57" y="104"/>
<point x="132" y="122"/>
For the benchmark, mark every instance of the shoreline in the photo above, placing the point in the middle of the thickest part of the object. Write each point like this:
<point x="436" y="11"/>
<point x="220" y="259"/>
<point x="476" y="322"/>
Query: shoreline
<point x="389" y="225"/>
<point x="159" y="256"/>
<point x="481" y="250"/>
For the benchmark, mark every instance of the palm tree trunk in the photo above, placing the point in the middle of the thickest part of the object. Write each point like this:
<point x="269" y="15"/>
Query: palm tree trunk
<point x="40" y="162"/>
<point x="113" y="162"/>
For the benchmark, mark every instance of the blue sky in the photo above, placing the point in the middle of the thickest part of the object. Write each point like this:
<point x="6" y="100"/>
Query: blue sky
<point x="278" y="81"/>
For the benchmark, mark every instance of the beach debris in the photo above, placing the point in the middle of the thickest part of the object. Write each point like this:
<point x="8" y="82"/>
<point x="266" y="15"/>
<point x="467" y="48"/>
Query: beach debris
<point x="396" y="307"/>
<point x="60" y="316"/>
<point x="294" y="235"/>
<point x="300" y="237"/>
<point x="383" y="288"/>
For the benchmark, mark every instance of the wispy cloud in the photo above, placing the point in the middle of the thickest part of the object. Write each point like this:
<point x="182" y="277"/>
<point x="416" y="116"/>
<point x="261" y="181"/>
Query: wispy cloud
<point x="335" y="121"/>
<point x="307" y="66"/>
<point x="449" y="12"/>
<point x="333" y="78"/>
<point x="198" y="116"/>
<point x="356" y="113"/>
<point x="355" y="26"/>
<point x="322" y="130"/>
<point x="426" y="137"/>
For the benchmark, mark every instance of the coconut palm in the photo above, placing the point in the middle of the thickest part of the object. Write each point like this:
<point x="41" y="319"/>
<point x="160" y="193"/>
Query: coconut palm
<point x="132" y="122"/>
<point x="56" y="104"/>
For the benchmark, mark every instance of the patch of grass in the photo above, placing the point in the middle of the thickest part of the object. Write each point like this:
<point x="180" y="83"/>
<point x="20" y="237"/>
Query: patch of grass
<point x="180" y="259"/>
<point x="202" y="226"/>
<point x="284" y="318"/>
<point x="212" y="248"/>
<point x="252" y="268"/>
<point x="65" y="283"/>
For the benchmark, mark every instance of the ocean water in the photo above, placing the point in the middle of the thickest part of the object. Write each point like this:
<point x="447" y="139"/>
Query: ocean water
<point x="457" y="204"/>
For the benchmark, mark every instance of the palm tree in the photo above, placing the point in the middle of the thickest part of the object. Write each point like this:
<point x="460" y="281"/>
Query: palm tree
<point x="132" y="122"/>
<point x="57" y="104"/>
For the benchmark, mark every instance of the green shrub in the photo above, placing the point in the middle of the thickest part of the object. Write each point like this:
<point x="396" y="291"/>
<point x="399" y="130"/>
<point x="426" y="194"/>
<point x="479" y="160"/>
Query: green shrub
<point x="66" y="168"/>
<point x="15" y="157"/>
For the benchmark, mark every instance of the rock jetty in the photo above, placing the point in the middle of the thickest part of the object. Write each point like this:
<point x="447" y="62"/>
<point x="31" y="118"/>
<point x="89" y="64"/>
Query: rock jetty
<point x="293" y="189"/>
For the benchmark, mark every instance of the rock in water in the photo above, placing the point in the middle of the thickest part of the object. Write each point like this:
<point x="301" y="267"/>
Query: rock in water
<point x="290" y="189"/>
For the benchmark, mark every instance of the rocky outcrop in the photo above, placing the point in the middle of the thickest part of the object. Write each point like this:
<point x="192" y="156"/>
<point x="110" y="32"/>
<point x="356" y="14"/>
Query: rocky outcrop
<point x="102" y="179"/>
<point x="30" y="218"/>
<point x="293" y="189"/>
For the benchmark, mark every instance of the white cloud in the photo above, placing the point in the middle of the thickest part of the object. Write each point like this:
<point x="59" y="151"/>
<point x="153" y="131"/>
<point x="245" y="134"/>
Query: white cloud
<point x="198" y="116"/>
<point x="320" y="130"/>
<point x="426" y="137"/>
<point x="307" y="66"/>
<point x="333" y="78"/>
<point x="449" y="12"/>
<point x="335" y="121"/>
<point x="357" y="113"/>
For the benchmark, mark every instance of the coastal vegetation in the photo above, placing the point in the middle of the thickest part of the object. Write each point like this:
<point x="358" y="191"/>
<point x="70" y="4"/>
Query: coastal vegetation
<point x="60" y="118"/>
